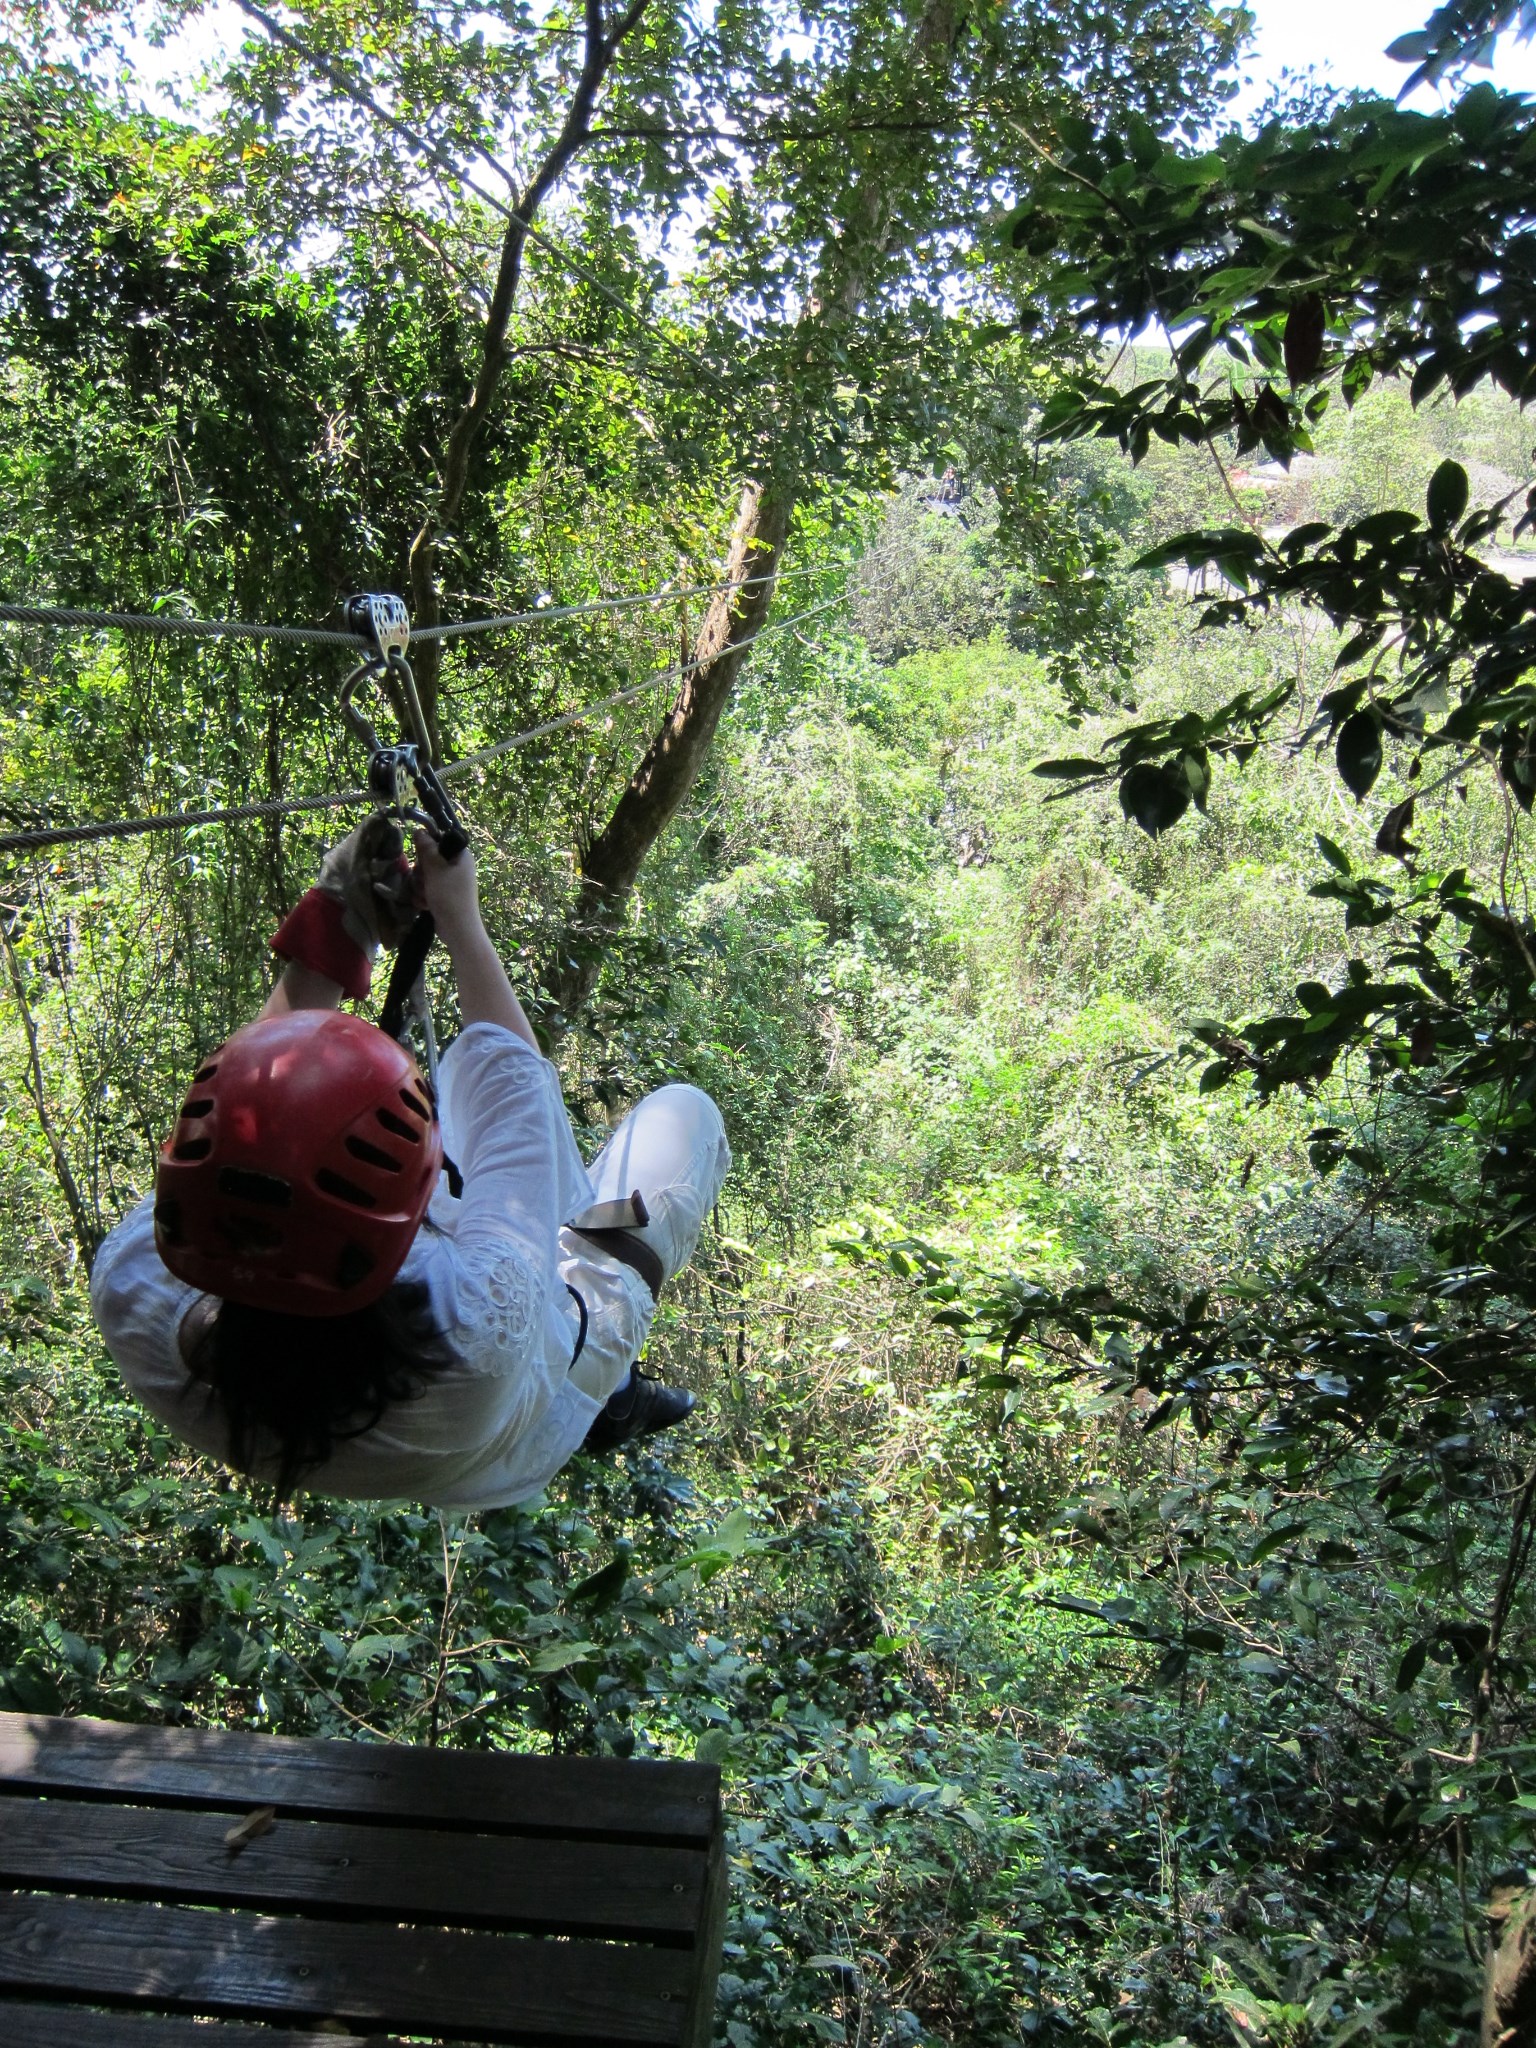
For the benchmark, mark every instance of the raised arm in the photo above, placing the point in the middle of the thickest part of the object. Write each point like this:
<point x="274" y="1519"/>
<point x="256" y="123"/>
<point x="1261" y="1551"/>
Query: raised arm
<point x="301" y="988"/>
<point x="451" y="891"/>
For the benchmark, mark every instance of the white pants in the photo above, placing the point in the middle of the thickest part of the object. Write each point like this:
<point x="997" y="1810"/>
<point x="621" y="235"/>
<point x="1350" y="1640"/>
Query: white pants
<point x="671" y="1148"/>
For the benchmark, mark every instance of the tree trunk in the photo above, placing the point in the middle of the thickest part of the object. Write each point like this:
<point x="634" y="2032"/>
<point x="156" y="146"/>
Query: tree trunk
<point x="671" y="765"/>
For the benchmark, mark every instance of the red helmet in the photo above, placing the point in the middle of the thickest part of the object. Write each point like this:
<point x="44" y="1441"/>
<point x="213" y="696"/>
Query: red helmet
<point x="300" y="1167"/>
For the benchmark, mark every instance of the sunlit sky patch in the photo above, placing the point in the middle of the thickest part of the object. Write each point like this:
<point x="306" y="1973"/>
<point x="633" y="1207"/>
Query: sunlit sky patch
<point x="1343" y="40"/>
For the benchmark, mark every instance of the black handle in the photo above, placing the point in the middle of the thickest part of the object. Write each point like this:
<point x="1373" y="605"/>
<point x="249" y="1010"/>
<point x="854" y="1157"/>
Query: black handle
<point x="435" y="801"/>
<point x="410" y="958"/>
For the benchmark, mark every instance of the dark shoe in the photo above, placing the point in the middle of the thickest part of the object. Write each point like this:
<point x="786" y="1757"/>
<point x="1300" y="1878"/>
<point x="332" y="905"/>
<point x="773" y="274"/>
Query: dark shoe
<point x="639" y="1409"/>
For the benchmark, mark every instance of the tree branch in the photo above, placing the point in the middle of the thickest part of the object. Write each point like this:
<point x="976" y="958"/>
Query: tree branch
<point x="87" y="1227"/>
<point x="426" y="602"/>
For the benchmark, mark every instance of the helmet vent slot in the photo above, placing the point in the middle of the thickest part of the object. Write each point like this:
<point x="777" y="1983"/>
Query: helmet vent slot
<point x="247" y="1234"/>
<point x="343" y="1189"/>
<point x="206" y="1073"/>
<point x="192" y="1148"/>
<point x="199" y="1108"/>
<point x="373" y="1155"/>
<point x="398" y="1125"/>
<point x="414" y="1102"/>
<point x="168" y="1220"/>
<point x="247" y="1186"/>
<point x="354" y="1265"/>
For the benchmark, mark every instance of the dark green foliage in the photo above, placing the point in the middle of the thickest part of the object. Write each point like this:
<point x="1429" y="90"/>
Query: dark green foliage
<point x="1156" y="797"/>
<point x="1364" y="1412"/>
<point x="1099" y="1561"/>
<point x="1370" y="218"/>
<point x="1357" y="751"/>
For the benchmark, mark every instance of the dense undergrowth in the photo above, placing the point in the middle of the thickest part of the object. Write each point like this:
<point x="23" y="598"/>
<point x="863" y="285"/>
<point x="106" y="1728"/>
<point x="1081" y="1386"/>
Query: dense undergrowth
<point x="1099" y="1562"/>
<point x="998" y="1769"/>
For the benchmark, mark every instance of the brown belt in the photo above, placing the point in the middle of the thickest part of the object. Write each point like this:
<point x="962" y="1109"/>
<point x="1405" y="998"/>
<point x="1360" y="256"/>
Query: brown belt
<point x="630" y="1251"/>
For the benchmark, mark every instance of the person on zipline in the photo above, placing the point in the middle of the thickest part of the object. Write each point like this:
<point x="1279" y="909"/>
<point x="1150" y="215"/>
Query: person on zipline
<point x="302" y="1297"/>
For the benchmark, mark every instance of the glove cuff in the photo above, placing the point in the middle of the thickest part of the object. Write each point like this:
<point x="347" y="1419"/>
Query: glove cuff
<point x="314" y="934"/>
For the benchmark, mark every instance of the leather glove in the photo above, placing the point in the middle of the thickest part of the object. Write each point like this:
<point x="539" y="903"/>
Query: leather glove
<point x="362" y="901"/>
<point x="368" y="874"/>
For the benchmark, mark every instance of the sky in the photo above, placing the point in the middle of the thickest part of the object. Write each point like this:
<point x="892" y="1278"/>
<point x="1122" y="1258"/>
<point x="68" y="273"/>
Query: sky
<point x="1345" y="40"/>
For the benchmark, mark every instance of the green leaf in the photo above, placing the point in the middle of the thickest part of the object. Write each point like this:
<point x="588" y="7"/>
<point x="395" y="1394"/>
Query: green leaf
<point x="1334" y="854"/>
<point x="1156" y="797"/>
<point x="1412" y="1664"/>
<point x="1205" y="1639"/>
<point x="732" y="1540"/>
<point x="1446" y="498"/>
<point x="1305" y="326"/>
<point x="379" y="1649"/>
<point x="1275" y="1539"/>
<point x="1195" y="767"/>
<point x="556" y="1656"/>
<point x="1517" y="763"/>
<point x="1175" y="1662"/>
<point x="1176" y="170"/>
<point x="601" y="1588"/>
<point x="1358" y="752"/>
<point x="1072" y="769"/>
<point x="1393" y="836"/>
<point x="733" y="1534"/>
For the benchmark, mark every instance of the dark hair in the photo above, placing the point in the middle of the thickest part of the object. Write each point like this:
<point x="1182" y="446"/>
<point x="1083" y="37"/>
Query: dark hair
<point x="291" y="1388"/>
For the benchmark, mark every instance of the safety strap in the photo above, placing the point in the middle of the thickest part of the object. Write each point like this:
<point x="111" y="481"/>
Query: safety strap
<point x="410" y="958"/>
<point x="630" y="1251"/>
<point x="586" y="1321"/>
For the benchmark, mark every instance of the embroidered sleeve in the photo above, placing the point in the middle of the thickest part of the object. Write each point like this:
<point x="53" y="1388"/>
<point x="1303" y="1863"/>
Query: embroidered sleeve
<point x="512" y="1296"/>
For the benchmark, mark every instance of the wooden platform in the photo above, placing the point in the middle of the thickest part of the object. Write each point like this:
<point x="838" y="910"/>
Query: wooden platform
<point x="444" y="1895"/>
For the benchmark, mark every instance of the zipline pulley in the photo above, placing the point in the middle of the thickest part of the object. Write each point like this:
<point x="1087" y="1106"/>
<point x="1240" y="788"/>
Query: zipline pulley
<point x="401" y="779"/>
<point x="381" y="618"/>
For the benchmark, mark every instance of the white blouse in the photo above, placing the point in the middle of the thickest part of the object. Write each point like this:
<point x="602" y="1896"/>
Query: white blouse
<point x="496" y="1423"/>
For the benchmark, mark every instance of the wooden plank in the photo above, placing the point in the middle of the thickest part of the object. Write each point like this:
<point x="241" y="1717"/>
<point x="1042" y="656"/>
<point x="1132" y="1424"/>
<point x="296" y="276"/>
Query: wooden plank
<point x="699" y="2025"/>
<point x="491" y="1987"/>
<point x="489" y="1792"/>
<point x="71" y="2026"/>
<point x="602" y="1888"/>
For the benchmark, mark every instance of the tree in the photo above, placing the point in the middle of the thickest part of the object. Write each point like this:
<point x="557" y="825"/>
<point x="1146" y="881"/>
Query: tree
<point x="832" y="186"/>
<point x="257" y="428"/>
<point x="1285" y="272"/>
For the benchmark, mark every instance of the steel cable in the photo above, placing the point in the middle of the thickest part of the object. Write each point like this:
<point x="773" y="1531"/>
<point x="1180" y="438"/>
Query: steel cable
<point x="665" y="675"/>
<point x="170" y="624"/>
<point x="552" y="613"/>
<point x="35" y="839"/>
<point x="171" y="821"/>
